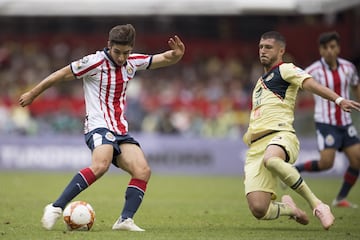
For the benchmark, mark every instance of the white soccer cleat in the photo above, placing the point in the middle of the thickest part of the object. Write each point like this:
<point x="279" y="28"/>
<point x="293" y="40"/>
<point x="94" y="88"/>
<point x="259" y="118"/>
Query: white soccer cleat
<point x="51" y="215"/>
<point x="126" y="225"/>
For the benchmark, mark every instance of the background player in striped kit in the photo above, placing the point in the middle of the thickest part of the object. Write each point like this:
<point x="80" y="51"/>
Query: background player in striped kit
<point x="334" y="127"/>
<point x="105" y="76"/>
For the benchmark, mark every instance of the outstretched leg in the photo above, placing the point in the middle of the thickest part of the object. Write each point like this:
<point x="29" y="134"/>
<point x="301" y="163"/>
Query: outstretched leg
<point x="291" y="177"/>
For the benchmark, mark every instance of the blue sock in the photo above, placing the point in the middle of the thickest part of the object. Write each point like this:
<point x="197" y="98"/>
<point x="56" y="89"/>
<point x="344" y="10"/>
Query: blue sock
<point x="133" y="199"/>
<point x="77" y="185"/>
<point x="350" y="178"/>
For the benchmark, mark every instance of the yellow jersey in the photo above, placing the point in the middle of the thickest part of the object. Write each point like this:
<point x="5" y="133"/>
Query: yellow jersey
<point x="273" y="100"/>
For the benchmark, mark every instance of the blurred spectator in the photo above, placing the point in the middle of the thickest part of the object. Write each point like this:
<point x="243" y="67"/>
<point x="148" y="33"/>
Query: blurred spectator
<point x="207" y="95"/>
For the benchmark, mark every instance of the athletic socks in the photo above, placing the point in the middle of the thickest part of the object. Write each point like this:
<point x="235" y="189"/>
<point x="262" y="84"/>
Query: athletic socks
<point x="350" y="178"/>
<point x="277" y="209"/>
<point x="133" y="197"/>
<point x="80" y="182"/>
<point x="291" y="177"/>
<point x="309" y="166"/>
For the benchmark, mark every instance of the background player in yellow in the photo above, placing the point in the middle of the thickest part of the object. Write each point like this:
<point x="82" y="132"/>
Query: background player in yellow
<point x="273" y="145"/>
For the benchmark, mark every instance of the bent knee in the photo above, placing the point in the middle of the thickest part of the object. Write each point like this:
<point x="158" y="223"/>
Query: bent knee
<point x="143" y="173"/>
<point x="258" y="211"/>
<point x="100" y="168"/>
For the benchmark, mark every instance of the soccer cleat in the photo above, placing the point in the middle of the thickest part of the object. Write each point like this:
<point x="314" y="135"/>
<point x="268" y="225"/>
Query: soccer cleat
<point x="343" y="203"/>
<point x="126" y="225"/>
<point x="323" y="213"/>
<point x="51" y="215"/>
<point x="300" y="216"/>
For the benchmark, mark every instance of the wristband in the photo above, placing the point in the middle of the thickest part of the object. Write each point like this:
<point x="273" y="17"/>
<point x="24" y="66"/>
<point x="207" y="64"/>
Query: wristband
<point x="338" y="100"/>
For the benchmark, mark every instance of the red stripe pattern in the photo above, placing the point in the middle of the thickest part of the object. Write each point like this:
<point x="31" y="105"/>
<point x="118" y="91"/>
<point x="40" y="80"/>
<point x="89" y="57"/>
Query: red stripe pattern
<point x="339" y="80"/>
<point x="105" y="86"/>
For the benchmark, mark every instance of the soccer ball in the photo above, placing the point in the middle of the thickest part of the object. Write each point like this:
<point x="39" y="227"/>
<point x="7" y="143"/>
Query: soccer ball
<point x="79" y="215"/>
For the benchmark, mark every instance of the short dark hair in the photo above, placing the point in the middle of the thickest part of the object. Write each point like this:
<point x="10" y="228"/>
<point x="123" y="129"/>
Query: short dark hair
<point x="274" y="35"/>
<point x="122" y="34"/>
<point x="326" y="37"/>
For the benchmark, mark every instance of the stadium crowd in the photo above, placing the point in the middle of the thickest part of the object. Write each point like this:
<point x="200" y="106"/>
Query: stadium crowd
<point x="208" y="98"/>
<point x="206" y="95"/>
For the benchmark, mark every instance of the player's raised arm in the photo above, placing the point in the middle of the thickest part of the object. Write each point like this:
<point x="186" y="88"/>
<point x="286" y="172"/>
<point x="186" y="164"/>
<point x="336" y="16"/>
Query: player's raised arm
<point x="171" y="56"/>
<point x="61" y="75"/>
<point x="346" y="104"/>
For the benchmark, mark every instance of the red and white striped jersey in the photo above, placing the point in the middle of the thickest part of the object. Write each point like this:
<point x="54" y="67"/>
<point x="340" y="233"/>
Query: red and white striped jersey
<point x="339" y="81"/>
<point x="104" y="86"/>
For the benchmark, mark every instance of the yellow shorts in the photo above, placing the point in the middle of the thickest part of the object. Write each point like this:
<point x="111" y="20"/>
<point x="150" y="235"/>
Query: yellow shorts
<point x="257" y="177"/>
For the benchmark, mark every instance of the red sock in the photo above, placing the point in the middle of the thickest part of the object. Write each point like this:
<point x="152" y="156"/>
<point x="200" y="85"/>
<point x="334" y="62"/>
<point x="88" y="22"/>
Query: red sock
<point x="88" y="175"/>
<point x="138" y="183"/>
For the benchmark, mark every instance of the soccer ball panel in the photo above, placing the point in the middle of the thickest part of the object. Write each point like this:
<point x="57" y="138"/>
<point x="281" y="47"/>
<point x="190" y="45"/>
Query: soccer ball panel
<point x="79" y="215"/>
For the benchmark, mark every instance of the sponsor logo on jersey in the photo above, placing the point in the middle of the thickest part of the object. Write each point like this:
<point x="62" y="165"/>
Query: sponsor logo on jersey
<point x="258" y="92"/>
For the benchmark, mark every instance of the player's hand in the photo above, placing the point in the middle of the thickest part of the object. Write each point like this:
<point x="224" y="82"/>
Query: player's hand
<point x="26" y="99"/>
<point x="348" y="105"/>
<point x="177" y="46"/>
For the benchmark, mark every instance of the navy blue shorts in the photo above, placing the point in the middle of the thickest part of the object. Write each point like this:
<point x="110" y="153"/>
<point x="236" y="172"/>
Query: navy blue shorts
<point x="337" y="137"/>
<point x="100" y="136"/>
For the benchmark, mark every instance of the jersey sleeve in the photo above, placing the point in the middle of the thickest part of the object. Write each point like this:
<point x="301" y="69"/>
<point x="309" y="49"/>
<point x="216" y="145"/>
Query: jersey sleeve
<point x="140" y="61"/>
<point x="86" y="65"/>
<point x="293" y="74"/>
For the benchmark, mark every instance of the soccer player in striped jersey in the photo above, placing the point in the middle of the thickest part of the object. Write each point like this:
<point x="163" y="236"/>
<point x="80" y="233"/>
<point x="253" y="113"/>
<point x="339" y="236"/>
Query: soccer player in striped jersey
<point x="273" y="144"/>
<point x="105" y="75"/>
<point x="334" y="127"/>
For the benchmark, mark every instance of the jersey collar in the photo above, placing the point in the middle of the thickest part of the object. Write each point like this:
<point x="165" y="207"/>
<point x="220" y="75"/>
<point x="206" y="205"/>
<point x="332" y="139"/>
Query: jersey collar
<point x="106" y="51"/>
<point x="324" y="63"/>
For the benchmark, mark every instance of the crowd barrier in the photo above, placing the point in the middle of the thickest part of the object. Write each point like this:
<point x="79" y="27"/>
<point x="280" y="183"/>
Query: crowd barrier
<point x="166" y="154"/>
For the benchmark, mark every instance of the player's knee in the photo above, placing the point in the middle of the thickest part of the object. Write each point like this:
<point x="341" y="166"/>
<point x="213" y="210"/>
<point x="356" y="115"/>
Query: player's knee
<point x="258" y="210"/>
<point x="142" y="172"/>
<point x="100" y="168"/>
<point x="273" y="163"/>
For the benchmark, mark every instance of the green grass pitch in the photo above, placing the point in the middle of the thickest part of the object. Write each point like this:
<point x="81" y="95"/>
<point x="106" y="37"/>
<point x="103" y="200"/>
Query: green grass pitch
<point x="174" y="207"/>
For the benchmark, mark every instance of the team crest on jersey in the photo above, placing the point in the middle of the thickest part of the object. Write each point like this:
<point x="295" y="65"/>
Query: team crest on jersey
<point x="109" y="136"/>
<point x="329" y="140"/>
<point x="268" y="78"/>
<point x="129" y="70"/>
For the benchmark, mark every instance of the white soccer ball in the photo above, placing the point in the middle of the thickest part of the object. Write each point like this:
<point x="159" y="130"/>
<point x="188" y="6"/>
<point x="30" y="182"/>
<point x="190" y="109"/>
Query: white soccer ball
<point x="79" y="215"/>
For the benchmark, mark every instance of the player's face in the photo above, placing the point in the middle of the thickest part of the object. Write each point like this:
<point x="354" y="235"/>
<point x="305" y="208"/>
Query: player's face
<point x="120" y="53"/>
<point x="270" y="52"/>
<point x="330" y="51"/>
